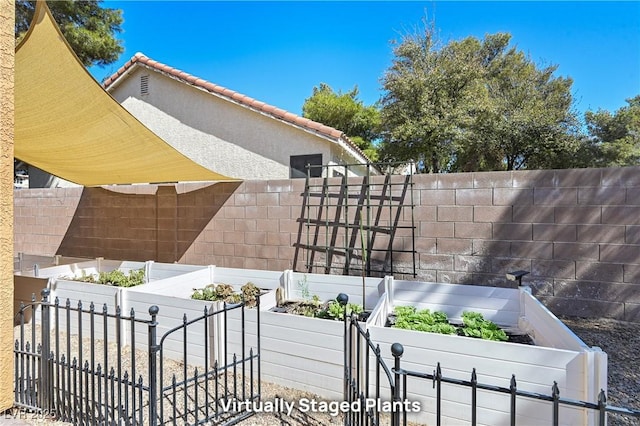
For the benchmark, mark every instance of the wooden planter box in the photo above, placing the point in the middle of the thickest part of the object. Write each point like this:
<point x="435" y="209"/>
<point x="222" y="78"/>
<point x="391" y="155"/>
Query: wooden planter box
<point x="558" y="354"/>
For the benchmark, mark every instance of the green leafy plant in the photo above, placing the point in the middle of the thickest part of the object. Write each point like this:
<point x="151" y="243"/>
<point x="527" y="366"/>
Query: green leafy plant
<point x="476" y="326"/>
<point x="335" y="311"/>
<point x="409" y="318"/>
<point x="116" y="278"/>
<point x="314" y="308"/>
<point x="206" y="293"/>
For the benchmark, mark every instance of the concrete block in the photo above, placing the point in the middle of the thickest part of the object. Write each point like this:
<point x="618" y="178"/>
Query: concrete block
<point x="578" y="214"/>
<point x="455" y="214"/>
<point x="512" y="231"/>
<point x="607" y="234"/>
<point x="558" y="269"/>
<point x="473" y="230"/>
<point x="576" y="251"/>
<point x="502" y="214"/>
<point x="555" y="196"/>
<point x="474" y="197"/>
<point x="550" y="232"/>
<point x="512" y="196"/>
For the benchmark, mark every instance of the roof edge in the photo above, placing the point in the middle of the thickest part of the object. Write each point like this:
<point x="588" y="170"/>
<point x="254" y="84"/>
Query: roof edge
<point x="235" y="97"/>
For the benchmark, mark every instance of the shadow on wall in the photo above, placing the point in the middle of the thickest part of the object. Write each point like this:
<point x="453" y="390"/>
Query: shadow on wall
<point x="158" y="226"/>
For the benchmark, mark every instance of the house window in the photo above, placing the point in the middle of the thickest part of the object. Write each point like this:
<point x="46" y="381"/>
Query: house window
<point x="298" y="165"/>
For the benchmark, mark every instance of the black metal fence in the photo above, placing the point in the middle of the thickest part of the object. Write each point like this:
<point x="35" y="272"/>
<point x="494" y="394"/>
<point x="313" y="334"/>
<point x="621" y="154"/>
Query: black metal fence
<point x="95" y="367"/>
<point x="382" y="393"/>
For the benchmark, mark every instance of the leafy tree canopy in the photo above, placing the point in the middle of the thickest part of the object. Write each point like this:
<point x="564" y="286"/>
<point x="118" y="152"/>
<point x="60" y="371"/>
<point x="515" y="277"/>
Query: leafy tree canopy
<point x="473" y="105"/>
<point x="88" y="28"/>
<point x="345" y="112"/>
<point x="614" y="139"/>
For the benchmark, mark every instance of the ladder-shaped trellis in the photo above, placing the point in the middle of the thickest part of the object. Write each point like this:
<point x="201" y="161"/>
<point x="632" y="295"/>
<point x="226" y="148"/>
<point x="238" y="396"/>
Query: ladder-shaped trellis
<point x="357" y="225"/>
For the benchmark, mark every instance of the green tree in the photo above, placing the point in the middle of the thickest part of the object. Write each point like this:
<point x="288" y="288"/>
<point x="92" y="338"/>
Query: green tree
<point x="87" y="27"/>
<point x="530" y="122"/>
<point x="345" y="112"/>
<point x="474" y="105"/>
<point x="614" y="139"/>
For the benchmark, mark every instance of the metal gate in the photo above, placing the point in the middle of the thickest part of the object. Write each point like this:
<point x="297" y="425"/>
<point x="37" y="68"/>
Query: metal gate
<point x="88" y="365"/>
<point x="217" y="382"/>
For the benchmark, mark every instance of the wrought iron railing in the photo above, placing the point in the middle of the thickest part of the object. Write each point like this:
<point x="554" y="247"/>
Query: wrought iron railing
<point x="367" y="378"/>
<point x="86" y="366"/>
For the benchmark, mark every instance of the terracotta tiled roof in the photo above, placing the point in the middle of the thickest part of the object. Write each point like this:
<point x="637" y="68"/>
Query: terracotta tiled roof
<point x="277" y="113"/>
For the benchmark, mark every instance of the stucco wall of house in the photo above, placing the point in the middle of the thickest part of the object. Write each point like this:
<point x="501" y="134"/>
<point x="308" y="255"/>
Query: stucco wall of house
<point x="216" y="133"/>
<point x="576" y="231"/>
<point x="7" y="46"/>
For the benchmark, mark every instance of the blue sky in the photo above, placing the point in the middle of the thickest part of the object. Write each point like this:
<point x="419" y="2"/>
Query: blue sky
<point x="276" y="52"/>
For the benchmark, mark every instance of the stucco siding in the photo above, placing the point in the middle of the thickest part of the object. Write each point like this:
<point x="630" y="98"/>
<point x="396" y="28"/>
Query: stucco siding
<point x="7" y="46"/>
<point x="223" y="136"/>
<point x="205" y="149"/>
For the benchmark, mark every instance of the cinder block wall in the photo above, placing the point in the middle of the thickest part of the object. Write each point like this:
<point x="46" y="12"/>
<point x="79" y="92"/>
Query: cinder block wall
<point x="576" y="231"/>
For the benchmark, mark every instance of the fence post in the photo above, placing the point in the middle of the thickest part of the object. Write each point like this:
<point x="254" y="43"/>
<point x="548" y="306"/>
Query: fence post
<point x="602" y="405"/>
<point x="474" y="397"/>
<point x="513" y="389"/>
<point x="153" y="370"/>
<point x="343" y="299"/>
<point x="555" y="393"/>
<point x="396" y="350"/>
<point x="45" y="361"/>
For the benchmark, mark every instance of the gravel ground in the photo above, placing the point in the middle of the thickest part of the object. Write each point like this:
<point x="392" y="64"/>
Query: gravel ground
<point x="620" y="340"/>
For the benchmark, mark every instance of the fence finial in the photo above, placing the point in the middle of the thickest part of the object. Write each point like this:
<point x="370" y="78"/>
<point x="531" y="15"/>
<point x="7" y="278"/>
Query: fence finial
<point x="397" y="350"/>
<point x="45" y="294"/>
<point x="342" y="299"/>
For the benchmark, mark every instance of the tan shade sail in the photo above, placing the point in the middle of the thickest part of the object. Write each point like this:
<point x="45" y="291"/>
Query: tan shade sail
<point x="67" y="125"/>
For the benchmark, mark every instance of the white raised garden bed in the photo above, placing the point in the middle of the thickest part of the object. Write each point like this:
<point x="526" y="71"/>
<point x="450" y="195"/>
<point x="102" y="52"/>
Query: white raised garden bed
<point x="66" y="289"/>
<point x="557" y="356"/>
<point x="173" y="298"/>
<point x="308" y="353"/>
<point x="64" y="286"/>
<point x="40" y="274"/>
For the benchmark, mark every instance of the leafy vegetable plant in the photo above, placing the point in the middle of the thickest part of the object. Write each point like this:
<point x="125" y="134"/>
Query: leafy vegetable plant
<point x="336" y="311"/>
<point x="407" y="317"/>
<point x="314" y="308"/>
<point x="116" y="278"/>
<point x="474" y="324"/>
